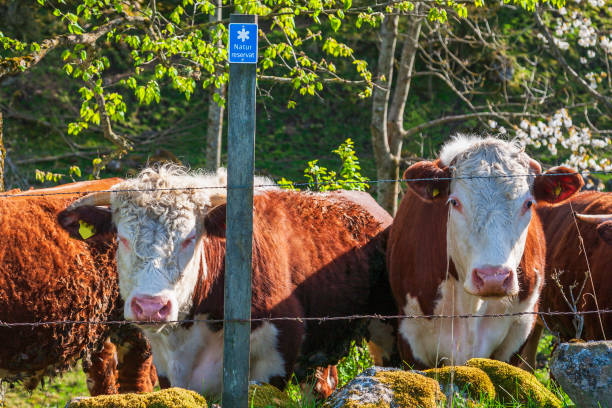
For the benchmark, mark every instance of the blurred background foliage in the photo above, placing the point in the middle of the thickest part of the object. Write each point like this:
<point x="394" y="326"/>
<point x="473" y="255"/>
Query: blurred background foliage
<point x="510" y="69"/>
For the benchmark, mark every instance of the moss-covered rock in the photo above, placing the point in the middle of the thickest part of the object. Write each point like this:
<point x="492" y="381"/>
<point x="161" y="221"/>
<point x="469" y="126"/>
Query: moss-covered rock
<point x="411" y="389"/>
<point x="168" y="398"/>
<point x="265" y="395"/>
<point x="467" y="382"/>
<point x="379" y="387"/>
<point x="513" y="384"/>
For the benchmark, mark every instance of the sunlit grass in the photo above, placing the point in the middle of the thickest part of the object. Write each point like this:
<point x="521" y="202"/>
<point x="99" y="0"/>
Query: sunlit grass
<point x="72" y="384"/>
<point x="55" y="394"/>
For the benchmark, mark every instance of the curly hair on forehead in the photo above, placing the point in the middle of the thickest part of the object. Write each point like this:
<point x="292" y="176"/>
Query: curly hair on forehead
<point x="481" y="157"/>
<point x="171" y="193"/>
<point x="492" y="150"/>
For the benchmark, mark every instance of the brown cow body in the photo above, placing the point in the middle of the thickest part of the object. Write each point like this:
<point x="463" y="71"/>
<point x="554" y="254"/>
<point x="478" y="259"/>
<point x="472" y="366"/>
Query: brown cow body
<point x="564" y="254"/>
<point x="470" y="246"/>
<point x="46" y="276"/>
<point x="420" y="274"/>
<point x="314" y="255"/>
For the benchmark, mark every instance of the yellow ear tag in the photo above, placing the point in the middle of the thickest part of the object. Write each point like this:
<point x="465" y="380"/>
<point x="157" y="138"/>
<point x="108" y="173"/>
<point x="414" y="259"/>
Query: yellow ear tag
<point x="86" y="230"/>
<point x="557" y="190"/>
<point x="435" y="192"/>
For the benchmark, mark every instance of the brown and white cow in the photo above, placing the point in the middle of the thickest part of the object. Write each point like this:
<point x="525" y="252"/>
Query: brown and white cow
<point x="314" y="255"/>
<point x="45" y="276"/>
<point x="566" y="259"/>
<point x="470" y="245"/>
<point x="565" y="254"/>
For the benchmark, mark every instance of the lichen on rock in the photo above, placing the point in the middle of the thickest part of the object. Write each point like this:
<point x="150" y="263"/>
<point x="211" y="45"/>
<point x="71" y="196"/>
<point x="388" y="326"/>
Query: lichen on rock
<point x="168" y="398"/>
<point x="584" y="371"/>
<point x="513" y="384"/>
<point x="379" y="387"/>
<point x="412" y="389"/>
<point x="265" y="395"/>
<point x="466" y="382"/>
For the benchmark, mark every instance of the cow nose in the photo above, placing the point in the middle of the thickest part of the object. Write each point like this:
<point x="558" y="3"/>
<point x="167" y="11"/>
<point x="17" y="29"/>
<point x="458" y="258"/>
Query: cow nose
<point x="151" y="308"/>
<point x="492" y="280"/>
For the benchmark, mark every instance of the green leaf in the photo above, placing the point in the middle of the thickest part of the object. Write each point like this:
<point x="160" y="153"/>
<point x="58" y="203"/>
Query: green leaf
<point x="335" y="22"/>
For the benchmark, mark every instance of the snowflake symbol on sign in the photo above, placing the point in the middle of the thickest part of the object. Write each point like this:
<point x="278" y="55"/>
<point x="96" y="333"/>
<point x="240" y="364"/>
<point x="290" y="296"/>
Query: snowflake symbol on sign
<point x="243" y="35"/>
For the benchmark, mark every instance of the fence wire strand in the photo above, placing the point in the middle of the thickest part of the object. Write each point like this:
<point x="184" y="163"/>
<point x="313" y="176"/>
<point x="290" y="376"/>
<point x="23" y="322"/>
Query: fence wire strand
<point x="299" y="319"/>
<point x="304" y="184"/>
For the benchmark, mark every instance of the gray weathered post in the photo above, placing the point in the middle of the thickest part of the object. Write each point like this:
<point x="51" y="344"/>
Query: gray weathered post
<point x="239" y="221"/>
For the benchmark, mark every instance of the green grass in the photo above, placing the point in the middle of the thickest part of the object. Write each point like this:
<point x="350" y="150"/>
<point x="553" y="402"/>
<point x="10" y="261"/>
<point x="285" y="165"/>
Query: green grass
<point x="72" y="384"/>
<point x="54" y="394"/>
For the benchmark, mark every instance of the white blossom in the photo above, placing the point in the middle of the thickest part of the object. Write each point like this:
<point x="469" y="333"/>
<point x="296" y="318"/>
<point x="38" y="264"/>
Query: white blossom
<point x="606" y="44"/>
<point x="558" y="131"/>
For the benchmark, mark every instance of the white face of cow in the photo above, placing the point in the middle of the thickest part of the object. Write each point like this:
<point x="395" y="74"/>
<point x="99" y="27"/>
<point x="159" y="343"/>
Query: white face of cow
<point x="486" y="234"/>
<point x="489" y="217"/>
<point x="159" y="219"/>
<point x="158" y="264"/>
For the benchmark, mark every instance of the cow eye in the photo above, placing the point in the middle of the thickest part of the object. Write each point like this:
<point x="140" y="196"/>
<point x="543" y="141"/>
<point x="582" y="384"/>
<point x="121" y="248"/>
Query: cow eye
<point x="454" y="202"/>
<point x="528" y="205"/>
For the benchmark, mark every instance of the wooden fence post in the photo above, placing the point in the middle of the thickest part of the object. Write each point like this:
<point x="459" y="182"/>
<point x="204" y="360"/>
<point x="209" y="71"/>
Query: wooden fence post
<point x="239" y="221"/>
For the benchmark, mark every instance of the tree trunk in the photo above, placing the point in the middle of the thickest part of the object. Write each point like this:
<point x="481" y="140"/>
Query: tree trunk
<point x="387" y="119"/>
<point x="380" y="101"/>
<point x="214" y="129"/>
<point x="2" y="156"/>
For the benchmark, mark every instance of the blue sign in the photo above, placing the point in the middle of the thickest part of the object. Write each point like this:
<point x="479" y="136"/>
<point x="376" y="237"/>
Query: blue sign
<point x="242" y="43"/>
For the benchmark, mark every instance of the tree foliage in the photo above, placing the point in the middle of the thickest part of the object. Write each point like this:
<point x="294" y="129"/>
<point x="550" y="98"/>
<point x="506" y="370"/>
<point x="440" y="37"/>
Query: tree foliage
<point x="174" y="42"/>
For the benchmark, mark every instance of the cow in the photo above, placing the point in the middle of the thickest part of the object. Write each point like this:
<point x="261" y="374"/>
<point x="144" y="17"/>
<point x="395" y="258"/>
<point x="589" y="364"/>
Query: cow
<point x="466" y="240"/>
<point x="314" y="255"/>
<point x="575" y="246"/>
<point x="47" y="276"/>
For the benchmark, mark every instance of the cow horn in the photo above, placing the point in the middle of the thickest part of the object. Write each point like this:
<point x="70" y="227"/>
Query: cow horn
<point x="97" y="198"/>
<point x="594" y="218"/>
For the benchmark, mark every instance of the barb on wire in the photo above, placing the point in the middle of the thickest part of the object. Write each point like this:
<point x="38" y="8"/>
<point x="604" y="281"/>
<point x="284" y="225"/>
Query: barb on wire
<point x="305" y="184"/>
<point x="301" y="319"/>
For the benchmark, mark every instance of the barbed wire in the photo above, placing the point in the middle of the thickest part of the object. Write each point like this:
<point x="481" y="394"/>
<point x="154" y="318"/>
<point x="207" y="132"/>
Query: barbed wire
<point x="299" y="319"/>
<point x="280" y="183"/>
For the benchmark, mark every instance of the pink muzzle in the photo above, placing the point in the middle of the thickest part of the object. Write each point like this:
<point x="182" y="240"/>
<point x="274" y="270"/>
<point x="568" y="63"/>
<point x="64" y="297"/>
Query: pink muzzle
<point x="151" y="308"/>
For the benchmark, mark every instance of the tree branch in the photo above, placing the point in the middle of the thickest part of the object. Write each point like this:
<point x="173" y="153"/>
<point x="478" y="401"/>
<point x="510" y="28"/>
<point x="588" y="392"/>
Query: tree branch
<point x="16" y="65"/>
<point x="456" y="118"/>
<point x="570" y="71"/>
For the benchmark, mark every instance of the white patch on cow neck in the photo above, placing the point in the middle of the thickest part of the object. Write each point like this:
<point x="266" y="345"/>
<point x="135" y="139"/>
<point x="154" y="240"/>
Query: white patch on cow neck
<point x="192" y="357"/>
<point x="436" y="342"/>
<point x="381" y="334"/>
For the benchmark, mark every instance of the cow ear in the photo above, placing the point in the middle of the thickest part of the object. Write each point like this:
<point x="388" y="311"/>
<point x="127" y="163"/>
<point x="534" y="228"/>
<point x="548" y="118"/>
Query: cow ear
<point x="605" y="232"/>
<point x="214" y="221"/>
<point x="553" y="189"/>
<point x="424" y="179"/>
<point x="88" y="222"/>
